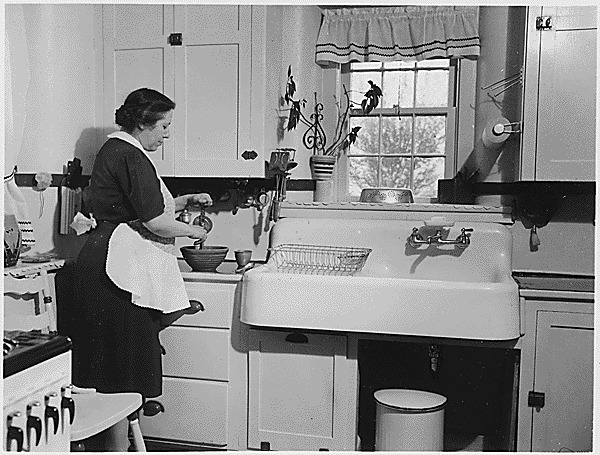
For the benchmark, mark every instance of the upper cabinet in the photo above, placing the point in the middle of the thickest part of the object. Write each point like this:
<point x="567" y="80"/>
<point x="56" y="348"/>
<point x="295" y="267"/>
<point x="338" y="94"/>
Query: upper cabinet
<point x="559" y="108"/>
<point x="210" y="60"/>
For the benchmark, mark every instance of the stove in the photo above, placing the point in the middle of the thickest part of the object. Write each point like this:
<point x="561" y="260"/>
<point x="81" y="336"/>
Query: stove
<point x="24" y="349"/>
<point x="37" y="407"/>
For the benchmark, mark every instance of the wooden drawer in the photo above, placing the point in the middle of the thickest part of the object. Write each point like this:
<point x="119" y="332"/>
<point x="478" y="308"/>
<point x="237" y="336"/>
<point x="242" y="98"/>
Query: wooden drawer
<point x="195" y="411"/>
<point x="217" y="300"/>
<point x="193" y="352"/>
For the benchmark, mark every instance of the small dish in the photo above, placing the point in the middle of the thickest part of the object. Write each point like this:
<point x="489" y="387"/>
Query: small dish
<point x="387" y="195"/>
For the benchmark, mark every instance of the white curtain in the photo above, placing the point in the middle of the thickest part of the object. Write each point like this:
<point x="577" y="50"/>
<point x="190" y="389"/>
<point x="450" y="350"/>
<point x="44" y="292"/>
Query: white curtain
<point x="16" y="84"/>
<point x="405" y="33"/>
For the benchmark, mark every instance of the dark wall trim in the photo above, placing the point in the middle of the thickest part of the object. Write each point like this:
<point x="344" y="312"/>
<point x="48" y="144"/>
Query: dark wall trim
<point x="195" y="184"/>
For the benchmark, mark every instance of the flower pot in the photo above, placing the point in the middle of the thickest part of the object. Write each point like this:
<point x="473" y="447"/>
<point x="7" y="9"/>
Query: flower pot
<point x="322" y="166"/>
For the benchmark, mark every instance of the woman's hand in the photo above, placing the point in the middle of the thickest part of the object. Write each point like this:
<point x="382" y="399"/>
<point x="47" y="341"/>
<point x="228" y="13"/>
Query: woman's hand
<point x="200" y="199"/>
<point x="198" y="233"/>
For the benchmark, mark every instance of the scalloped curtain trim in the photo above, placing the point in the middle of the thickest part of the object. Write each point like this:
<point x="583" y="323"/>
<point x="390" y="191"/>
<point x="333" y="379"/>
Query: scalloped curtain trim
<point x="410" y="33"/>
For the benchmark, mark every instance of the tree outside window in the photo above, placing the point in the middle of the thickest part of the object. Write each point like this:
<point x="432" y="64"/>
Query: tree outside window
<point x="403" y="143"/>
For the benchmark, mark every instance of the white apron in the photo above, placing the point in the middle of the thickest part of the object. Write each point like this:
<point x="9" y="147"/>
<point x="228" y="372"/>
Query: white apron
<point x="145" y="267"/>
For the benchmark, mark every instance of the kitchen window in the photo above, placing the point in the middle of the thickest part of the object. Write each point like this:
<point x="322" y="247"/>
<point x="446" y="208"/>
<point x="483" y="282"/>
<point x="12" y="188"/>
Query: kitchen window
<point x="409" y="140"/>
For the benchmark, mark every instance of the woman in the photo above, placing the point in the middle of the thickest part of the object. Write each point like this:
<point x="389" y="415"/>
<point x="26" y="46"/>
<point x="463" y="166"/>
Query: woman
<point x="116" y="346"/>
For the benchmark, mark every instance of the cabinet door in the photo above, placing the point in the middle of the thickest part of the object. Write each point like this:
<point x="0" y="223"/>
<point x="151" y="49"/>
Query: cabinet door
<point x="196" y="353"/>
<point x="559" y="128"/>
<point x="136" y="55"/>
<point x="195" y="411"/>
<point x="302" y="392"/>
<point x="216" y="77"/>
<point x="564" y="373"/>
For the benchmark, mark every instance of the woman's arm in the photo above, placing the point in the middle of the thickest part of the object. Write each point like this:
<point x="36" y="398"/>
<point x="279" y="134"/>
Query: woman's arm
<point x="192" y="199"/>
<point x="165" y="226"/>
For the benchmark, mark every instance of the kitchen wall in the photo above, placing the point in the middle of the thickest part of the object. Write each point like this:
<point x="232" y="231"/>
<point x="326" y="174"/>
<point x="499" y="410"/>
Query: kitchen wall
<point x="62" y="120"/>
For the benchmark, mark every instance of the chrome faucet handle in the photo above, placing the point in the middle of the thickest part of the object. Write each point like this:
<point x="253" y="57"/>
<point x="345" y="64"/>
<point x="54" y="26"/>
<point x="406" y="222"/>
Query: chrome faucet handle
<point x="416" y="239"/>
<point x="464" y="239"/>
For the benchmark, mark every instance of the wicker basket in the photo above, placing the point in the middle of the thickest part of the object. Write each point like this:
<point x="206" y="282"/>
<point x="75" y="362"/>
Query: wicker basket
<point x="318" y="259"/>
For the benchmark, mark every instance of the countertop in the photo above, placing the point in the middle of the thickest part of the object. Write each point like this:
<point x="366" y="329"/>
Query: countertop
<point x="553" y="285"/>
<point x="225" y="272"/>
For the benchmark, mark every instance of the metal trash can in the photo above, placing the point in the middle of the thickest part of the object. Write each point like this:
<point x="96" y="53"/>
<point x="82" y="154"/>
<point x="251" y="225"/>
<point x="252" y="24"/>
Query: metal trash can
<point x="409" y="420"/>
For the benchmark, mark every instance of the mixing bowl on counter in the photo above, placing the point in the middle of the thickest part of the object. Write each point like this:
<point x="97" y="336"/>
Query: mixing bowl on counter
<point x="204" y="259"/>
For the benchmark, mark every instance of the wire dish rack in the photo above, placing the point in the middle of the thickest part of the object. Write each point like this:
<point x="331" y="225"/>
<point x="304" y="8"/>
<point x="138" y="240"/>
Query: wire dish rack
<point x="318" y="259"/>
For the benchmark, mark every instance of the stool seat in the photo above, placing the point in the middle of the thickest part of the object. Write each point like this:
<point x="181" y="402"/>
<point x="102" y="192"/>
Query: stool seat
<point x="95" y="412"/>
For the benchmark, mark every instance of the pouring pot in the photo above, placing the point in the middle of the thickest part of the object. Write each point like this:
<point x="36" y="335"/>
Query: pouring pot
<point x="203" y="220"/>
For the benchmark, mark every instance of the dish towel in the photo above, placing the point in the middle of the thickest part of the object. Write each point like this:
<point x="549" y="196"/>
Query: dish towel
<point x="152" y="276"/>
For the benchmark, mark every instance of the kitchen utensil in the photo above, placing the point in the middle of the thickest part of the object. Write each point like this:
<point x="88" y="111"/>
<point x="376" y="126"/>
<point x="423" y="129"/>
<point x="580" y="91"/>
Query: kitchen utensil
<point x="12" y="241"/>
<point x="206" y="259"/>
<point x="185" y="216"/>
<point x="386" y="195"/>
<point x="242" y="257"/>
<point x="203" y="220"/>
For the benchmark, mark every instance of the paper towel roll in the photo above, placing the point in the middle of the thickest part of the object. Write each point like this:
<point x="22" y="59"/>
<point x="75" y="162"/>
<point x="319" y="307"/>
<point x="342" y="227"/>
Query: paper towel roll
<point x="496" y="132"/>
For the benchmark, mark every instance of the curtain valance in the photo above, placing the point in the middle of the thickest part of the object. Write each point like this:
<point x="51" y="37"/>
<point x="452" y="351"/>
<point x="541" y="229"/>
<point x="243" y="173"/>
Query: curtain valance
<point x="406" y="33"/>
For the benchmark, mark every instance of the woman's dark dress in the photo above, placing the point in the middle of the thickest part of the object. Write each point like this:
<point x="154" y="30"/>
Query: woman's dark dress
<point x="115" y="343"/>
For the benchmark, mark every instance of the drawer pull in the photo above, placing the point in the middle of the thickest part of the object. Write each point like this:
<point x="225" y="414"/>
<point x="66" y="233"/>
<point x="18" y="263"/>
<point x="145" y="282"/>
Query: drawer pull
<point x="195" y="307"/>
<point x="296" y="337"/>
<point x="153" y="407"/>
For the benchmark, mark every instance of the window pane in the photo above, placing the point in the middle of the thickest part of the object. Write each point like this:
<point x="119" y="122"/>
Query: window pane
<point x="427" y="172"/>
<point x="432" y="88"/>
<point x="367" y="141"/>
<point x="396" y="135"/>
<point x="359" y="85"/>
<point x="363" y="174"/>
<point x="395" y="172"/>
<point x="430" y="135"/>
<point x="398" y="89"/>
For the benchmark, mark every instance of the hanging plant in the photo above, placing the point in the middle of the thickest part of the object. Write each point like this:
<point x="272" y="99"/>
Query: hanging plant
<point x="315" y="138"/>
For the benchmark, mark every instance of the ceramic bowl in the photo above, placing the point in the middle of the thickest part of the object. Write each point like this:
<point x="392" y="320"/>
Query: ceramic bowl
<point x="205" y="259"/>
<point x="386" y="195"/>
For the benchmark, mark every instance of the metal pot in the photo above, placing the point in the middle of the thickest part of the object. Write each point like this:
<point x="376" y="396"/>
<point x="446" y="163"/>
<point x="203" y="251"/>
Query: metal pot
<point x="387" y="195"/>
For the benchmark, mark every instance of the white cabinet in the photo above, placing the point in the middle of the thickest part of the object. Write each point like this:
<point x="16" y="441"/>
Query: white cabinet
<point x="302" y="392"/>
<point x="215" y="75"/>
<point x="559" y="103"/>
<point x="203" y="373"/>
<point x="556" y="395"/>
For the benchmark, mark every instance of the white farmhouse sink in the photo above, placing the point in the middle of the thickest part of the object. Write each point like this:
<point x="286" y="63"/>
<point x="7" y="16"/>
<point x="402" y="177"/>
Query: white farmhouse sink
<point x="433" y="291"/>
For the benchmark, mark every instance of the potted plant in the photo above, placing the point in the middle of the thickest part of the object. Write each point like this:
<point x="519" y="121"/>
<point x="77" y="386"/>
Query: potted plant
<point x="324" y="155"/>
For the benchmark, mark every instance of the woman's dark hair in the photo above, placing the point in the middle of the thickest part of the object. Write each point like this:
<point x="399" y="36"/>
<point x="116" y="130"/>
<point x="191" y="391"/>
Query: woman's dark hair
<point x="143" y="106"/>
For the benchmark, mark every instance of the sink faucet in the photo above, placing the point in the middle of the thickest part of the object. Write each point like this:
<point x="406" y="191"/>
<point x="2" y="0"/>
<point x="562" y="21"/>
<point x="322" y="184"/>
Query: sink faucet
<point x="462" y="241"/>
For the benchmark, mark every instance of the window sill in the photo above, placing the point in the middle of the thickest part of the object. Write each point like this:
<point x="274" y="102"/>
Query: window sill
<point x="417" y="211"/>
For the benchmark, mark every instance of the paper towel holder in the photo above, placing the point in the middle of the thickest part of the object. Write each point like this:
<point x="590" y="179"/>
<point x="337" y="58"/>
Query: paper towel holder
<point x="497" y="131"/>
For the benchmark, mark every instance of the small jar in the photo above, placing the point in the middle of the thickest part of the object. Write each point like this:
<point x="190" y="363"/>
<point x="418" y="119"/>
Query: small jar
<point x="185" y="216"/>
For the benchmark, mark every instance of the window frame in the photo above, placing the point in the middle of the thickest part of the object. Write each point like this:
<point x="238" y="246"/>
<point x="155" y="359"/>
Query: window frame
<point x="459" y="126"/>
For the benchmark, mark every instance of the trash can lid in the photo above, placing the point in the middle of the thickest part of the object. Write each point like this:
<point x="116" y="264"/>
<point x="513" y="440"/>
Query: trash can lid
<point x="410" y="400"/>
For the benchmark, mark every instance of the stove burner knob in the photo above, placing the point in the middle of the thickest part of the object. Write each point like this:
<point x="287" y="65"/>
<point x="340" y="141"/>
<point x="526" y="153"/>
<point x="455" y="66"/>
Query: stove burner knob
<point x="13" y="432"/>
<point x="51" y="412"/>
<point x="33" y="423"/>
<point x="67" y="403"/>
